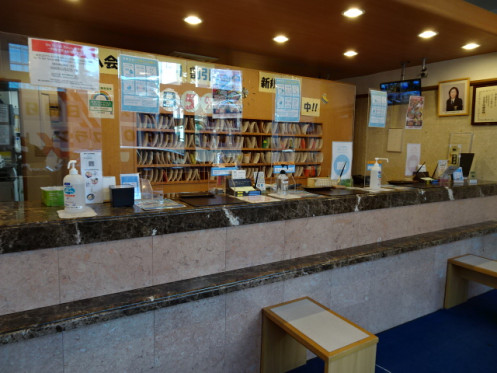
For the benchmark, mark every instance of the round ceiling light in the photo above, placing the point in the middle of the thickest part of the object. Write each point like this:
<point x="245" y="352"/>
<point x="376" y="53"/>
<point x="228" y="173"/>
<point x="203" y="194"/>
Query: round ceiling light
<point x="428" y="34"/>
<point x="280" y="39"/>
<point x="353" y="12"/>
<point x="192" y="20"/>
<point x="470" y="46"/>
<point x="350" y="53"/>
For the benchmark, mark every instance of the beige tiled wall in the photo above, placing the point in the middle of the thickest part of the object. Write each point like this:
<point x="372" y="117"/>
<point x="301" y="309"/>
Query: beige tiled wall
<point x="44" y="277"/>
<point x="223" y="334"/>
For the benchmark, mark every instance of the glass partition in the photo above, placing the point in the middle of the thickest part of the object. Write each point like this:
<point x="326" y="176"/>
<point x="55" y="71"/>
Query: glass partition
<point x="183" y="125"/>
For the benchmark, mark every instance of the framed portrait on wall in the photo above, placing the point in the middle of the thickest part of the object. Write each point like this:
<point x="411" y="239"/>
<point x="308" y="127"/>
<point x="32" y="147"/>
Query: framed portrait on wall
<point x="484" y="103"/>
<point x="453" y="97"/>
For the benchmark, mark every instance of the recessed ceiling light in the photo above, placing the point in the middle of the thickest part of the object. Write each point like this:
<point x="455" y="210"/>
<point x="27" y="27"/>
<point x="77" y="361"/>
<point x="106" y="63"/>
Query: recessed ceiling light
<point x="353" y="12"/>
<point x="470" y="46"/>
<point x="350" y="53"/>
<point x="192" y="20"/>
<point x="280" y="39"/>
<point x="427" y="34"/>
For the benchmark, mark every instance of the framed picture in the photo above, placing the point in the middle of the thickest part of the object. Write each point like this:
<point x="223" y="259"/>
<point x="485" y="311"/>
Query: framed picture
<point x="453" y="97"/>
<point x="484" y="103"/>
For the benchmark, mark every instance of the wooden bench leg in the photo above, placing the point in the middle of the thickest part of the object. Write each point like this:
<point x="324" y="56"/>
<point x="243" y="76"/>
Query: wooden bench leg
<point x="456" y="287"/>
<point x="280" y="352"/>
<point x="358" y="361"/>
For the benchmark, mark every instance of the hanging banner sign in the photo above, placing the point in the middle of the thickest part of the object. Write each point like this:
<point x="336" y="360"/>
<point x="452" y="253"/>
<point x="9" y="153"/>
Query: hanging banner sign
<point x="64" y="65"/>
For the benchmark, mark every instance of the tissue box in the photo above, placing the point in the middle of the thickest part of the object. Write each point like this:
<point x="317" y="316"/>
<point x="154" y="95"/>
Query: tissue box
<point x="122" y="195"/>
<point x="52" y="196"/>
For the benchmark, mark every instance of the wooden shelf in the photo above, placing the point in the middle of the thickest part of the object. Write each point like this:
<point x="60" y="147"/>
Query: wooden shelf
<point x="172" y="165"/>
<point x="211" y="131"/>
<point x="230" y="133"/>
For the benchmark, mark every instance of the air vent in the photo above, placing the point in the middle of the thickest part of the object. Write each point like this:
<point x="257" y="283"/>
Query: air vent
<point x="195" y="57"/>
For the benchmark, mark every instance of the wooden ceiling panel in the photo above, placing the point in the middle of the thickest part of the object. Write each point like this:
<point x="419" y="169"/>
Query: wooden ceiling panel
<point x="384" y="36"/>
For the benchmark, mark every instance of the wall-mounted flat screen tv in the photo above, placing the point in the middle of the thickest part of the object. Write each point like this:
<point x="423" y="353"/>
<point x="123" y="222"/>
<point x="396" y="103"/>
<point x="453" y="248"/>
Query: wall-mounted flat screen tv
<point x="398" y="92"/>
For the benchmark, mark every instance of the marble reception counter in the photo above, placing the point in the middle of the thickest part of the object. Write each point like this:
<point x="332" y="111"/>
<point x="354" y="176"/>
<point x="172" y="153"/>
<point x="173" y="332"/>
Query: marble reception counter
<point x="145" y="286"/>
<point x="25" y="226"/>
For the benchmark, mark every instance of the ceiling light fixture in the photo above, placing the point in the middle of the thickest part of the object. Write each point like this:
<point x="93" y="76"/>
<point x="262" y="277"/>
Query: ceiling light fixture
<point x="428" y="34"/>
<point x="280" y="39"/>
<point x="470" y="46"/>
<point x="350" y="53"/>
<point x="353" y="12"/>
<point x="192" y="20"/>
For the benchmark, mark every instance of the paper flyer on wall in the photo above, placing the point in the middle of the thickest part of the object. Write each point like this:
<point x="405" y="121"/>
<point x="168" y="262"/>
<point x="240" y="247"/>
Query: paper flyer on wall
<point x="139" y="84"/>
<point x="413" y="157"/>
<point x="414" y="115"/>
<point x="226" y="93"/>
<point x="65" y="65"/>
<point x="91" y="170"/>
<point x="377" y="108"/>
<point x="101" y="102"/>
<point x="341" y="163"/>
<point x="287" y="100"/>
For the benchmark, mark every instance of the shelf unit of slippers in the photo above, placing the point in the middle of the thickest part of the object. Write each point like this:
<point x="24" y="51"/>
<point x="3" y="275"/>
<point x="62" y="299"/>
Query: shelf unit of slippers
<point x="180" y="151"/>
<point x="267" y="143"/>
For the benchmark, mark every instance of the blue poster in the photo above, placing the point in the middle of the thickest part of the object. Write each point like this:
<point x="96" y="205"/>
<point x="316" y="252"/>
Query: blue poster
<point x="377" y="108"/>
<point x="139" y="84"/>
<point x="287" y="100"/>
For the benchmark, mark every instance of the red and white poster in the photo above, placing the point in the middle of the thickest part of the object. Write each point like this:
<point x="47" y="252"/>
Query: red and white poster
<point x="65" y="65"/>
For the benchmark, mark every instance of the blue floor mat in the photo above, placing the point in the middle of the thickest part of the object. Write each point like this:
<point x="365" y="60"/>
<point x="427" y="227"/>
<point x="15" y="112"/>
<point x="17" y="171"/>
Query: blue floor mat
<point x="462" y="339"/>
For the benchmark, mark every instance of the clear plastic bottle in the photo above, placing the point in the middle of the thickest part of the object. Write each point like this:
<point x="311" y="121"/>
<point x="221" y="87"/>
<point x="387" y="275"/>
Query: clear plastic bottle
<point x="74" y="189"/>
<point x="282" y="183"/>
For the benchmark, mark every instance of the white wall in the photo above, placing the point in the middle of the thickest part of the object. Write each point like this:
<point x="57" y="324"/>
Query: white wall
<point x="475" y="68"/>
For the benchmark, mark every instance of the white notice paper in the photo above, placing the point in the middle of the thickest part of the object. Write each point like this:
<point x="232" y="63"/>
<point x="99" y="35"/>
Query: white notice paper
<point x="412" y="158"/>
<point x="91" y="169"/>
<point x="64" y="65"/>
<point x="341" y="163"/>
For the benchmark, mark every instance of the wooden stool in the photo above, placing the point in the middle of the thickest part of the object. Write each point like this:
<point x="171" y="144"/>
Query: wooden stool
<point x="466" y="268"/>
<point x="289" y="328"/>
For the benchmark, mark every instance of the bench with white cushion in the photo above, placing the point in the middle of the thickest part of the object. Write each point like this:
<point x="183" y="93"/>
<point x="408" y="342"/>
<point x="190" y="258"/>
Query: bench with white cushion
<point x="290" y="328"/>
<point x="465" y="268"/>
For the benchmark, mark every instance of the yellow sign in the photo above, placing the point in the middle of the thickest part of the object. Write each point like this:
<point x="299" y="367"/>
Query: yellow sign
<point x="310" y="107"/>
<point x="108" y="60"/>
<point x="267" y="82"/>
<point x="199" y="74"/>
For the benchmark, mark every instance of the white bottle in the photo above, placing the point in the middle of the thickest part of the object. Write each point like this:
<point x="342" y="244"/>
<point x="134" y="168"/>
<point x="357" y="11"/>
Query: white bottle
<point x="375" y="179"/>
<point x="282" y="183"/>
<point x="74" y="189"/>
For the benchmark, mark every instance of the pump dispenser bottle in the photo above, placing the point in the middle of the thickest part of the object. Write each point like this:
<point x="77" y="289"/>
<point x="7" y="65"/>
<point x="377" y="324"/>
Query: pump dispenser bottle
<point x="282" y="183"/>
<point x="375" y="179"/>
<point x="74" y="189"/>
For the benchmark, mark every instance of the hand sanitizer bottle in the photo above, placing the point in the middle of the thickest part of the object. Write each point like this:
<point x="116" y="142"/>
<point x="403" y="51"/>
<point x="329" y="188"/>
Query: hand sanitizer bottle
<point x="74" y="189"/>
<point x="375" y="179"/>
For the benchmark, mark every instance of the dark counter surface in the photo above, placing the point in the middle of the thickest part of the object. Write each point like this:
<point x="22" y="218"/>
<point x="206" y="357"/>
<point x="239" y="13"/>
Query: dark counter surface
<point x="29" y="226"/>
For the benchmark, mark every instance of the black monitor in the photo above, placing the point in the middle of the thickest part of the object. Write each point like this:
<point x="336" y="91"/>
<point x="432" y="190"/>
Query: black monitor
<point x="465" y="162"/>
<point x="398" y="92"/>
